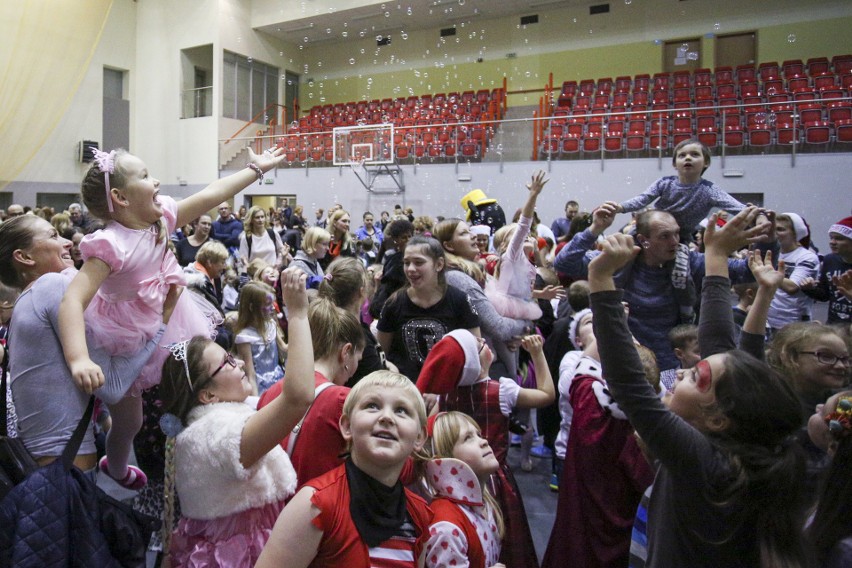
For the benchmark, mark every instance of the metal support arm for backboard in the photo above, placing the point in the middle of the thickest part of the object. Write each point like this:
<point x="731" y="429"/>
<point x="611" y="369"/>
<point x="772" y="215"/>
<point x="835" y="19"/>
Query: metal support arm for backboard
<point x="368" y="175"/>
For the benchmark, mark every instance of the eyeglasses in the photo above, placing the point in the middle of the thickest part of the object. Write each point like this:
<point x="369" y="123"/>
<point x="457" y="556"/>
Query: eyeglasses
<point x="827" y="358"/>
<point x="229" y="360"/>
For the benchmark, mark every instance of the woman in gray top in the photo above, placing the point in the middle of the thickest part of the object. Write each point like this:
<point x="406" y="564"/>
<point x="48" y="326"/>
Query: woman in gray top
<point x="36" y="259"/>
<point x="502" y="333"/>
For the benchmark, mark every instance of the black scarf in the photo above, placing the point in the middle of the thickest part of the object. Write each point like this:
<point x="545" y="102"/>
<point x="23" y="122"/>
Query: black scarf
<point x="377" y="510"/>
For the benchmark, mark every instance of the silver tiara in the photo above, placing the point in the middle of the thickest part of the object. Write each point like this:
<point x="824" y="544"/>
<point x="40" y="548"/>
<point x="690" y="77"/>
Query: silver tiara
<point x="179" y="352"/>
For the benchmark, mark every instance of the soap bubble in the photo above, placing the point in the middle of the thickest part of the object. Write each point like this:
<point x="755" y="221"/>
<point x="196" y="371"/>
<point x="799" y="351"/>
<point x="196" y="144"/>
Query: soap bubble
<point x="249" y="59"/>
<point x="717" y="26"/>
<point x="628" y="2"/>
<point x="791" y="38"/>
<point x="629" y="180"/>
<point x="345" y="34"/>
<point x="692" y="56"/>
<point x="684" y="46"/>
<point x="387" y="14"/>
<point x="760" y="118"/>
<point x="351" y="61"/>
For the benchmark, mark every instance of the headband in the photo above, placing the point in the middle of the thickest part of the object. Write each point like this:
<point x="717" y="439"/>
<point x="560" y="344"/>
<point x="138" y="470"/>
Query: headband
<point x="106" y="165"/>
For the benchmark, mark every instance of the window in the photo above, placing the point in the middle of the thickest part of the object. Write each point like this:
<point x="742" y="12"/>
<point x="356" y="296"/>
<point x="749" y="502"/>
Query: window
<point x="248" y="88"/>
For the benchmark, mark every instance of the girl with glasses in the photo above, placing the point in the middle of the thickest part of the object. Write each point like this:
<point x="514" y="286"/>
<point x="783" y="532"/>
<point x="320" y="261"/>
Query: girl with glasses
<point x="224" y="460"/>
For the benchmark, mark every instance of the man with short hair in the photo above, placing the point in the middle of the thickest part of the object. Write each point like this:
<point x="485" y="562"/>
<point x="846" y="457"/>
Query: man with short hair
<point x="562" y="226"/>
<point x="227" y="228"/>
<point x="78" y="218"/>
<point x="14" y="210"/>
<point x="660" y="285"/>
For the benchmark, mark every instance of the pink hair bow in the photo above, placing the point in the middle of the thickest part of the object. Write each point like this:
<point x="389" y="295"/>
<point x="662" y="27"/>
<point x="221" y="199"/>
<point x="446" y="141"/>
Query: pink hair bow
<point x="106" y="164"/>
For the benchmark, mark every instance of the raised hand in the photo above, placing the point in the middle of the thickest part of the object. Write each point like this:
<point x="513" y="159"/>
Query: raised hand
<point x="271" y="158"/>
<point x="735" y="234"/>
<point x="537" y="183"/>
<point x="764" y="273"/>
<point x="617" y="250"/>
<point x="844" y="283"/>
<point x="532" y="344"/>
<point x="603" y="216"/>
<point x="293" y="289"/>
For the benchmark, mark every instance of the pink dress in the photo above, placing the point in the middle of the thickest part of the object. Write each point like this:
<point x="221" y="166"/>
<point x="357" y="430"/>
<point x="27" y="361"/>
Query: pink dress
<point x="511" y="292"/>
<point x="127" y="309"/>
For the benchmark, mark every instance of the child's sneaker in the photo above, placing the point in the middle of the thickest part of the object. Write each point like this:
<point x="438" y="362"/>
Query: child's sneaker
<point x="134" y="480"/>
<point x="554" y="483"/>
<point x="514" y="439"/>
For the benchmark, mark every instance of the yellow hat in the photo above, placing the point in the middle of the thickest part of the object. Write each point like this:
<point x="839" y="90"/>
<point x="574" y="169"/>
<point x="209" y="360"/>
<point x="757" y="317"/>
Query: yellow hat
<point x="478" y="197"/>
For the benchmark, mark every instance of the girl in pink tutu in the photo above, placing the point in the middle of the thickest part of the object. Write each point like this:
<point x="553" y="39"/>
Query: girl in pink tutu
<point x="126" y="275"/>
<point x="511" y="292"/>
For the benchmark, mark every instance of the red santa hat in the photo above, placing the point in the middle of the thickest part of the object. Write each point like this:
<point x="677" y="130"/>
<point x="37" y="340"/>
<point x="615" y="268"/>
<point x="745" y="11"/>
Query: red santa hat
<point x="452" y="362"/>
<point x="842" y="228"/>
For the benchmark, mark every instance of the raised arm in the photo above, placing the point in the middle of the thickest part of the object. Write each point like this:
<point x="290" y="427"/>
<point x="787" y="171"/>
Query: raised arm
<point x="768" y="279"/>
<point x="544" y="393"/>
<point x="72" y="328"/>
<point x="643" y="199"/>
<point x="573" y="259"/>
<point x="716" y="324"/>
<point x="225" y="188"/>
<point x="264" y="430"/>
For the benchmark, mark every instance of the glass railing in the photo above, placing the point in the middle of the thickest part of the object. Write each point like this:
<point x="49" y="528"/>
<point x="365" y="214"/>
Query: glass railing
<point x="780" y="127"/>
<point x="196" y="103"/>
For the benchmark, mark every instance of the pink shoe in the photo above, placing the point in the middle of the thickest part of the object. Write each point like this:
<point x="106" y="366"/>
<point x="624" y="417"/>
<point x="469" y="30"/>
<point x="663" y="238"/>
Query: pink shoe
<point x="134" y="480"/>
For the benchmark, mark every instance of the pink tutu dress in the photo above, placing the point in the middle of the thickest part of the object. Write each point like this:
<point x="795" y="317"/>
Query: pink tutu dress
<point x="511" y="292"/>
<point x="127" y="309"/>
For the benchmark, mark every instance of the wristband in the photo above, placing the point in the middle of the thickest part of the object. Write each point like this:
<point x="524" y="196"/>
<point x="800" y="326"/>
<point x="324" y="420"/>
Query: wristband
<point x="257" y="171"/>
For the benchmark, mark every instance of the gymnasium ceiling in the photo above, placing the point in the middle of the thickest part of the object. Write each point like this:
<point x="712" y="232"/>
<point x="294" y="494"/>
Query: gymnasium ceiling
<point x="333" y="21"/>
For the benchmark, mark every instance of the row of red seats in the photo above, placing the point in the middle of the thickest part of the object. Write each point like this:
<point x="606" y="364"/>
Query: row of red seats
<point x="816" y="134"/>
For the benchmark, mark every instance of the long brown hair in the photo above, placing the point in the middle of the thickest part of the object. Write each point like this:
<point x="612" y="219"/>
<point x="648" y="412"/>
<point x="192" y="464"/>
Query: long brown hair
<point x="444" y="232"/>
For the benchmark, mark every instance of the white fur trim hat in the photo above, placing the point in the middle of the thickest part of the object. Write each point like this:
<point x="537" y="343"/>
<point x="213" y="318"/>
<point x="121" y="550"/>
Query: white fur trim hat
<point x="800" y="227"/>
<point x="572" y="327"/>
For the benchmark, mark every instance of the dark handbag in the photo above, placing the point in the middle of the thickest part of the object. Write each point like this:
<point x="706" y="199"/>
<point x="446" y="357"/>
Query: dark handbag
<point x="16" y="463"/>
<point x="73" y="519"/>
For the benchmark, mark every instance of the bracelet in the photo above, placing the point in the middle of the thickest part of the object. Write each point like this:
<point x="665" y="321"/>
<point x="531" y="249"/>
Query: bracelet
<point x="257" y="171"/>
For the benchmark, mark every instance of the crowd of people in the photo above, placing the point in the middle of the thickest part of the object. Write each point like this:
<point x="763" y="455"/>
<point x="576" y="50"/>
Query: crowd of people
<point x="303" y="393"/>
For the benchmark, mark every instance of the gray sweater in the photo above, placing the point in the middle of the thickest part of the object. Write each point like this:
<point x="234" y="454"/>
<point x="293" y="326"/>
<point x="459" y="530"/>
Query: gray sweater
<point x="48" y="402"/>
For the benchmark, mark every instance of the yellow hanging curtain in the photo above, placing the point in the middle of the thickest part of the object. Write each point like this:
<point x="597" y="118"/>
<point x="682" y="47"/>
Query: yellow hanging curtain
<point x="47" y="48"/>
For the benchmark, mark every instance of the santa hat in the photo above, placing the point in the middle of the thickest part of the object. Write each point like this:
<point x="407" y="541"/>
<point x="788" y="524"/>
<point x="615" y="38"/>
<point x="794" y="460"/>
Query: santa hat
<point x="452" y="362"/>
<point x="481" y="230"/>
<point x="572" y="327"/>
<point x="842" y="228"/>
<point x="800" y="227"/>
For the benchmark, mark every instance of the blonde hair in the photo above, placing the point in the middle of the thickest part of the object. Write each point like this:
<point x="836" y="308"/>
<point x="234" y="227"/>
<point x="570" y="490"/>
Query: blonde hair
<point x="346" y="276"/>
<point x="313" y="236"/>
<point x="788" y="343"/>
<point x="445" y="435"/>
<point x="250" y="216"/>
<point x="251" y="314"/>
<point x="211" y="252"/>
<point x="386" y="380"/>
<point x="256" y="267"/>
<point x="332" y="328"/>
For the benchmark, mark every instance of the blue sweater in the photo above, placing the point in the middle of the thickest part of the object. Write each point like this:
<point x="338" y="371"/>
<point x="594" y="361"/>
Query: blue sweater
<point x="648" y="292"/>
<point x="688" y="203"/>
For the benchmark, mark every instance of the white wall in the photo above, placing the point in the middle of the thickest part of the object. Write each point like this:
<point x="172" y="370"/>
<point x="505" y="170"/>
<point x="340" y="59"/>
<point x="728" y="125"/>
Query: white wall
<point x="816" y="187"/>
